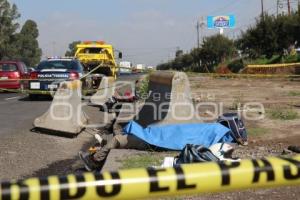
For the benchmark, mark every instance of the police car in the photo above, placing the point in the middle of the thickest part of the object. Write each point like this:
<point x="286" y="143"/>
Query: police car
<point x="50" y="73"/>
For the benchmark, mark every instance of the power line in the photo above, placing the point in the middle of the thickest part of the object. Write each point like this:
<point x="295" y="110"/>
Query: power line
<point x="240" y="28"/>
<point x="198" y="32"/>
<point x="200" y="25"/>
<point x="264" y="10"/>
<point x="289" y="5"/>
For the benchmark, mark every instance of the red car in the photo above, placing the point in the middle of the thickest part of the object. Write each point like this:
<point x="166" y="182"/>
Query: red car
<point x="11" y="73"/>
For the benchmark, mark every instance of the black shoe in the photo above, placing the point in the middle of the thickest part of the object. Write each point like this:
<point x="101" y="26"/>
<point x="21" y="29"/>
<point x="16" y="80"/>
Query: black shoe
<point x="89" y="164"/>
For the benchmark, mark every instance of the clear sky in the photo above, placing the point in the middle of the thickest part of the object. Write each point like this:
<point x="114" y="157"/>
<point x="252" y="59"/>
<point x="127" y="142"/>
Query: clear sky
<point x="147" y="31"/>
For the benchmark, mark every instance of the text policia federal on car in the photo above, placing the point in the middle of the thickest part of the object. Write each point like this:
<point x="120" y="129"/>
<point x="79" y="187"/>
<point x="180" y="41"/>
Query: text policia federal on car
<point x="50" y="73"/>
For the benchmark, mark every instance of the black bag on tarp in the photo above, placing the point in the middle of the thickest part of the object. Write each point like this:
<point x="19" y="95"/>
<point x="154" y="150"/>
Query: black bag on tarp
<point x="236" y="125"/>
<point x="195" y="153"/>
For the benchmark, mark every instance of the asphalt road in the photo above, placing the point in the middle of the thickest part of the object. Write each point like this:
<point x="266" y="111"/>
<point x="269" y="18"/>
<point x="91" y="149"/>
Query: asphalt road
<point x="17" y="112"/>
<point x="24" y="153"/>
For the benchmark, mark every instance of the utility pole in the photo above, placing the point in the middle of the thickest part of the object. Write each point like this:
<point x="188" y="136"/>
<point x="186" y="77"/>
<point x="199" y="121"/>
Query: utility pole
<point x="198" y="34"/>
<point x="299" y="7"/>
<point x="289" y="7"/>
<point x="200" y="27"/>
<point x="198" y="41"/>
<point x="262" y="9"/>
<point x="277" y="10"/>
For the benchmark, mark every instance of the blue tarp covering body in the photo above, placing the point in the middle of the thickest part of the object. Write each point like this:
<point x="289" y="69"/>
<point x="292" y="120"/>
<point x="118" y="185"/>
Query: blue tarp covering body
<point x="177" y="136"/>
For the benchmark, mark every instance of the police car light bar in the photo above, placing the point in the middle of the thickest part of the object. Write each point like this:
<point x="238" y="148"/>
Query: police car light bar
<point x="94" y="42"/>
<point x="60" y="57"/>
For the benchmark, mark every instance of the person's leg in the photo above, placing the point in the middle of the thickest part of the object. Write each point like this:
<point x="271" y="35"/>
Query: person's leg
<point x="101" y="154"/>
<point x="119" y="142"/>
<point x="131" y="142"/>
<point x="96" y="161"/>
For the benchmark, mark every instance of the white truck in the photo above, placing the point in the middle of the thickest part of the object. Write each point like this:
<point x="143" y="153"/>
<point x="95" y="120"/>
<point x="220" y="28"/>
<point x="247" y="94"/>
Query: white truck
<point x="150" y="68"/>
<point x="125" y="67"/>
<point x="139" y="68"/>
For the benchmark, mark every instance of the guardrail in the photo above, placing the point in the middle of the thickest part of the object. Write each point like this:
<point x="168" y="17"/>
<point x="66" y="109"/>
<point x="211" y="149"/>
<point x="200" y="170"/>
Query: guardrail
<point x="150" y="183"/>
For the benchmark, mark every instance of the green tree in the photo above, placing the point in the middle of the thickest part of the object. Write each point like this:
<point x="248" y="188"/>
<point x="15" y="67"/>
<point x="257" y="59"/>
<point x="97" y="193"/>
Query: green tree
<point x="8" y="26"/>
<point x="72" y="48"/>
<point x="268" y="42"/>
<point x="270" y="35"/>
<point x="215" y="49"/>
<point x="178" y="53"/>
<point x="27" y="44"/>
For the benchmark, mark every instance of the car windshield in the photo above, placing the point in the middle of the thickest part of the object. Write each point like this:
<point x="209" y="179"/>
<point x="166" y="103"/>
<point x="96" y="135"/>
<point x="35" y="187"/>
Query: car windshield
<point x="8" y="67"/>
<point x="58" y="64"/>
<point x="91" y="50"/>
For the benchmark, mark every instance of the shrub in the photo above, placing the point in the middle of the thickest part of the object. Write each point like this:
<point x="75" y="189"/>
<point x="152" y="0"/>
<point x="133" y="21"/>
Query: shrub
<point x="275" y="59"/>
<point x="138" y="161"/>
<point x="257" y="131"/>
<point x="236" y="66"/>
<point x="283" y="114"/>
<point x="143" y="87"/>
<point x="294" y="93"/>
<point x="291" y="59"/>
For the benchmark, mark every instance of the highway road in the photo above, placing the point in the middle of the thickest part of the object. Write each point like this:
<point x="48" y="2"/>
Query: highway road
<point x="24" y="153"/>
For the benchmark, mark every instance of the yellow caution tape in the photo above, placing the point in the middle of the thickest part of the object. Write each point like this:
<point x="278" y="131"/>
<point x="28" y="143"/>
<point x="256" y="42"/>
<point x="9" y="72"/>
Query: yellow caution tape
<point x="41" y="92"/>
<point x="251" y="75"/>
<point x="11" y="80"/>
<point x="275" y="65"/>
<point x="48" y="92"/>
<point x="150" y="183"/>
<point x="157" y="79"/>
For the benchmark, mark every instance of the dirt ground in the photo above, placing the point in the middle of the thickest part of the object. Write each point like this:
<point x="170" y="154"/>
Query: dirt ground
<point x="269" y="133"/>
<point x="274" y="94"/>
<point x="267" y="136"/>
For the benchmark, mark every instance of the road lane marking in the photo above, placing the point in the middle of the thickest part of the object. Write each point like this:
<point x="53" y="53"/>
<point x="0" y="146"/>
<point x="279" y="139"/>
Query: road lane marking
<point x="11" y="98"/>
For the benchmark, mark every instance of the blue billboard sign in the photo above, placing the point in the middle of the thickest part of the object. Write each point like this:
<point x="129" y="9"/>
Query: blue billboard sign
<point x="221" y="21"/>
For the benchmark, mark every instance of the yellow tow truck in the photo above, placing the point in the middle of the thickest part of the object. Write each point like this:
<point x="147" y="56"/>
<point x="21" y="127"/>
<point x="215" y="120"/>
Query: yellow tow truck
<point x="100" y="55"/>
